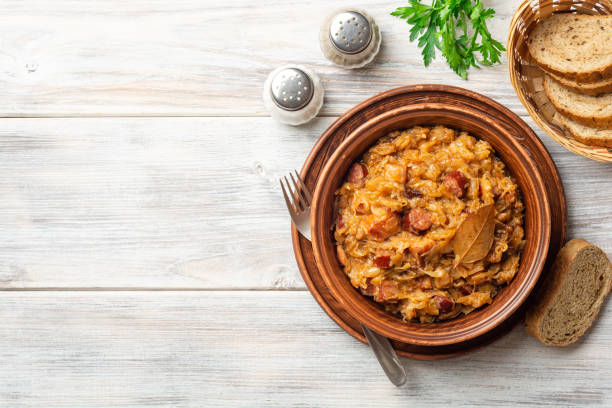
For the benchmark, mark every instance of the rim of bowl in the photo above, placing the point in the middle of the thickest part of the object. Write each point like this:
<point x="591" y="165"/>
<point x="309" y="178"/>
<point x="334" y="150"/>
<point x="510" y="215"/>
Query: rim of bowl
<point x="434" y="337"/>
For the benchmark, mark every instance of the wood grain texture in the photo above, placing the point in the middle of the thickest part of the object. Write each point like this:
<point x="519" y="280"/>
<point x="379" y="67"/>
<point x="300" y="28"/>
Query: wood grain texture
<point x="189" y="349"/>
<point x="193" y="203"/>
<point x="152" y="203"/>
<point x="181" y="202"/>
<point x="190" y="57"/>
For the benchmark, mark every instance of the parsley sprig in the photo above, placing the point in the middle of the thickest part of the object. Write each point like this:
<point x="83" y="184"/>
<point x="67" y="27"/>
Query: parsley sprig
<point x="436" y="26"/>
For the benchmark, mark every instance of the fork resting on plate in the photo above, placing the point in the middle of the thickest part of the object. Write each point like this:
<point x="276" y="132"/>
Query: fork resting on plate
<point x="298" y="200"/>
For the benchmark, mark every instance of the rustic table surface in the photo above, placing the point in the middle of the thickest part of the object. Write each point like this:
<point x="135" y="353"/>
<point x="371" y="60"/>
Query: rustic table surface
<point x="145" y="253"/>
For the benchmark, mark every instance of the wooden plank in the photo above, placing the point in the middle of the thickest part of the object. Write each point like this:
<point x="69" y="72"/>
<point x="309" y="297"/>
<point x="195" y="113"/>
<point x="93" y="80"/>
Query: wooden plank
<point x="191" y="57"/>
<point x="128" y="202"/>
<point x="260" y="349"/>
<point x="180" y="202"/>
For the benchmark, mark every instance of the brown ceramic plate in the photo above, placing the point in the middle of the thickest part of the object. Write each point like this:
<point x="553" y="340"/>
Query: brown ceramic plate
<point x="407" y="95"/>
<point x="527" y="77"/>
<point x="520" y="164"/>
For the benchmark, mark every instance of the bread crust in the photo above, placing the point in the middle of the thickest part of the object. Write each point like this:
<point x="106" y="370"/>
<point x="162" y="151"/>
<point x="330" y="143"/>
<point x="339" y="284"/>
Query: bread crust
<point x="602" y="122"/>
<point x="595" y="75"/>
<point x="551" y="287"/>
<point x="592" y="89"/>
<point x="581" y="77"/>
<point x="591" y="141"/>
<point x="586" y="139"/>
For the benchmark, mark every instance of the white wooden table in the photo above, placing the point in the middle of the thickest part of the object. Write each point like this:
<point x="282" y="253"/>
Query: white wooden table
<point x="145" y="254"/>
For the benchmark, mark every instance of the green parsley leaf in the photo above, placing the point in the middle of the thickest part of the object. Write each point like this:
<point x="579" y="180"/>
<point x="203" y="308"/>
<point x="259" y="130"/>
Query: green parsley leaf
<point x="443" y="24"/>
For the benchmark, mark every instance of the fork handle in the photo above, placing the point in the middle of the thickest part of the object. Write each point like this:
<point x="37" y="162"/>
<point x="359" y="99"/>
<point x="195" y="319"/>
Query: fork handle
<point x="384" y="352"/>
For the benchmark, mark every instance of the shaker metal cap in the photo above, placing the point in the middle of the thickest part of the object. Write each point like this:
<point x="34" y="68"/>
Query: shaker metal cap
<point x="292" y="89"/>
<point x="293" y="94"/>
<point x="350" y="32"/>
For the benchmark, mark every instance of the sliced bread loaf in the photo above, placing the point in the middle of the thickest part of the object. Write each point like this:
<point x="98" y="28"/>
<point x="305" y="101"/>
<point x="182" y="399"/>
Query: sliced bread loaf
<point x="575" y="46"/>
<point x="592" y="111"/>
<point x="594" y="88"/>
<point x="572" y="295"/>
<point x="587" y="135"/>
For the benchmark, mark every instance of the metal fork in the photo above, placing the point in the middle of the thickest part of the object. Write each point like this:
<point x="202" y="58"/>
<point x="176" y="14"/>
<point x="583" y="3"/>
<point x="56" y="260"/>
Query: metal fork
<point x="298" y="202"/>
<point x="299" y="207"/>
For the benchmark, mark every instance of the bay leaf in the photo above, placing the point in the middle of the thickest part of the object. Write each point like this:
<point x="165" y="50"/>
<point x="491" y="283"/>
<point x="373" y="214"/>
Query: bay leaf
<point x="474" y="237"/>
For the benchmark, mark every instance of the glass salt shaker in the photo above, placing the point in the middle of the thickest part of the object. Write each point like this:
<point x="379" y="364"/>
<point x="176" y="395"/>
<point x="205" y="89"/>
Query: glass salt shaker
<point x="350" y="38"/>
<point x="293" y="94"/>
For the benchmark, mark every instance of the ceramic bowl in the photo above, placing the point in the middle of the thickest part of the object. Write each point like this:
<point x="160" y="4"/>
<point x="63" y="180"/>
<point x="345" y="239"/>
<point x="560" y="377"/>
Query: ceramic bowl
<point x="519" y="163"/>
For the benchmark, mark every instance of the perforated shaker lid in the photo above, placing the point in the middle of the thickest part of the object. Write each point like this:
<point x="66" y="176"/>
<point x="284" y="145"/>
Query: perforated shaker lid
<point x="292" y="89"/>
<point x="293" y="94"/>
<point x="350" y="32"/>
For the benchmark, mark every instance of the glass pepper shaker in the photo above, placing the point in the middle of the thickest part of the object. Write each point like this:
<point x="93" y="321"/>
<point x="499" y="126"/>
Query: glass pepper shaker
<point x="350" y="38"/>
<point x="293" y="94"/>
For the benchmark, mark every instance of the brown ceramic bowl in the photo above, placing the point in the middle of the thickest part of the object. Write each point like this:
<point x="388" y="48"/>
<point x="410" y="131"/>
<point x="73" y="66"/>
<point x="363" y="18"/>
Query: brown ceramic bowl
<point x="537" y="224"/>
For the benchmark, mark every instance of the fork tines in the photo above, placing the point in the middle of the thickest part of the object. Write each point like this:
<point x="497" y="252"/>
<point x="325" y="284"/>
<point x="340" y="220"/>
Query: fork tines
<point x="300" y="194"/>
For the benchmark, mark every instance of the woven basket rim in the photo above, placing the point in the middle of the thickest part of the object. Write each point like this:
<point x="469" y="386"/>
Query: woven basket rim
<point x="515" y="38"/>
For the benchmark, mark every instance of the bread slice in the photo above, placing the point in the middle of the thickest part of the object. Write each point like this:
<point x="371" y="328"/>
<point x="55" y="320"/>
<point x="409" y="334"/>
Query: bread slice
<point x="587" y="135"/>
<point x="592" y="111"/>
<point x="571" y="297"/>
<point x="575" y="46"/>
<point x="594" y="88"/>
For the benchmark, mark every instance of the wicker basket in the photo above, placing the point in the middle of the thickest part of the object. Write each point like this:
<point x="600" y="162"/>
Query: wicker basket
<point x="527" y="78"/>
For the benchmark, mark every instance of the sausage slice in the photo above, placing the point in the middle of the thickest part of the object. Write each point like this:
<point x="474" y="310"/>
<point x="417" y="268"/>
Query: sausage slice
<point x="419" y="219"/>
<point x="456" y="183"/>
<point x="444" y="304"/>
<point x="383" y="261"/>
<point x="385" y="227"/>
<point x="357" y="173"/>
